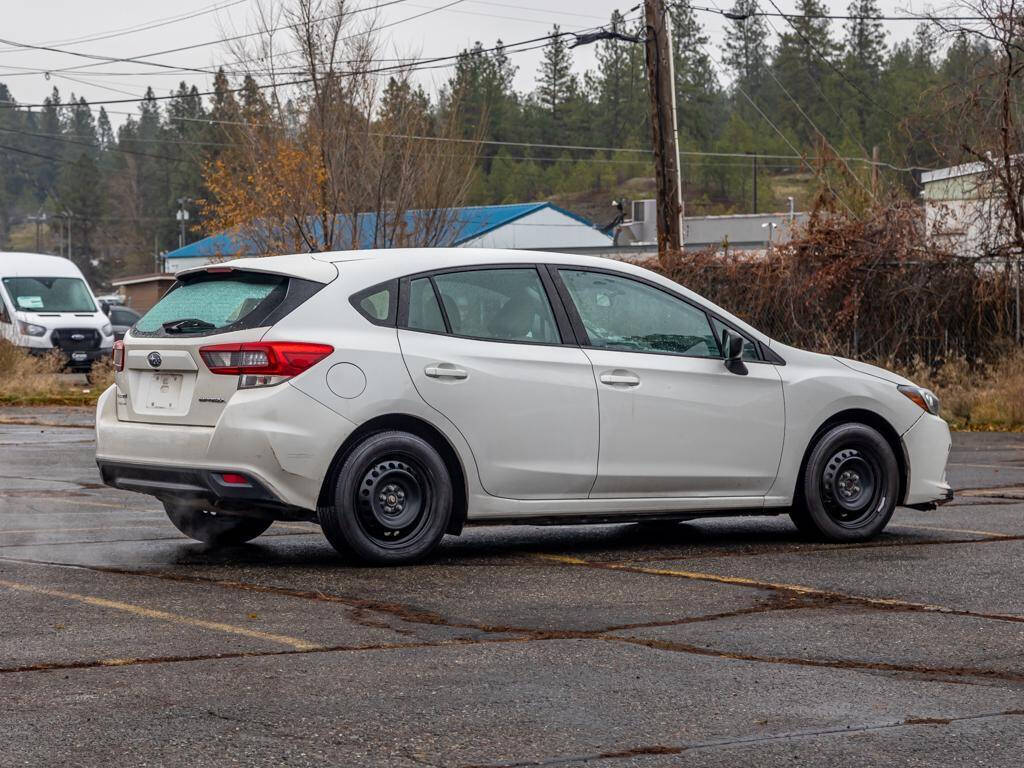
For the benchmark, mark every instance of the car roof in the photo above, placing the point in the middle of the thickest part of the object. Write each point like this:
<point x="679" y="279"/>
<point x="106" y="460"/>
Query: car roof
<point x="17" y="264"/>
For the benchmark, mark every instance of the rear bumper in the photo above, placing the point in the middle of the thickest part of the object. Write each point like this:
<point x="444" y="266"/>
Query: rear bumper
<point x="278" y="437"/>
<point x="926" y="446"/>
<point x="204" y="488"/>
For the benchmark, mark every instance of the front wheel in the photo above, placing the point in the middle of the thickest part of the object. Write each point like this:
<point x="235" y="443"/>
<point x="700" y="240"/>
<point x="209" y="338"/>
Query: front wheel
<point x="213" y="528"/>
<point x="849" y="486"/>
<point x="392" y="500"/>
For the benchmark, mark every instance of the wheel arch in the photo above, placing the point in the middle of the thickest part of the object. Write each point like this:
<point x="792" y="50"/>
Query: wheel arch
<point x="415" y="425"/>
<point x="867" y="418"/>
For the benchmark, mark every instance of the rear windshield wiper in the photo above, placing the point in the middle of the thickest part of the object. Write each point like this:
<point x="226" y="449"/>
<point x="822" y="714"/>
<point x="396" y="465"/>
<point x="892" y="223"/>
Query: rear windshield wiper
<point x="187" y="325"/>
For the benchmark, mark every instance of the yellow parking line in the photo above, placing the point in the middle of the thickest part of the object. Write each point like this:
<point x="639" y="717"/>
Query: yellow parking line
<point x="153" y="524"/>
<point x="149" y="613"/>
<point x="969" y="531"/>
<point x="798" y="589"/>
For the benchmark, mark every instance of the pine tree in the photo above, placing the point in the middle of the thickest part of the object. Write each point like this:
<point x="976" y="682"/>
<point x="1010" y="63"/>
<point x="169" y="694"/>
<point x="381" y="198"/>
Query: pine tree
<point x="800" y="66"/>
<point x="619" y="89"/>
<point x="556" y="84"/>
<point x="746" y="49"/>
<point x="696" y="85"/>
<point x="865" y="57"/>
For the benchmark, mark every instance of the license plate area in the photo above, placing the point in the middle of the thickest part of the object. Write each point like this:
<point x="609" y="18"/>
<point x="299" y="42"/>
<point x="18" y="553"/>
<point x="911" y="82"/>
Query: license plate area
<point x="163" y="391"/>
<point x="79" y="357"/>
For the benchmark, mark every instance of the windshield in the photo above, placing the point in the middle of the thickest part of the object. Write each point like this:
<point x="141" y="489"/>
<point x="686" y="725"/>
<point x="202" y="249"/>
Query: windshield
<point x="49" y="294"/>
<point x="211" y="302"/>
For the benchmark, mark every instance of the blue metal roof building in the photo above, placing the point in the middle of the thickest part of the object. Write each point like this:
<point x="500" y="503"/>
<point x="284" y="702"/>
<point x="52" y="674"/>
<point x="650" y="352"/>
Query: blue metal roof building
<point x="537" y="226"/>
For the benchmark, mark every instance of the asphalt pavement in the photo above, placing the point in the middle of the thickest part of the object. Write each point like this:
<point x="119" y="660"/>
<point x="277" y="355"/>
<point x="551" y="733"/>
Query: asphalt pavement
<point x="709" y="643"/>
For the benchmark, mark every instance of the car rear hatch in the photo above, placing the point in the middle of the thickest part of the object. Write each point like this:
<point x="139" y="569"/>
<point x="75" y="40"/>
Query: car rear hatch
<point x="165" y="374"/>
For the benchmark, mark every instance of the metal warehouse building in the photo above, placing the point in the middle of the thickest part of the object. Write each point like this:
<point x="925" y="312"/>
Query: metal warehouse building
<point x="536" y="226"/>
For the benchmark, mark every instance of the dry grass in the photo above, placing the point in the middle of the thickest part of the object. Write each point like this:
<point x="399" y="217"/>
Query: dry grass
<point x="37" y="380"/>
<point x="979" y="397"/>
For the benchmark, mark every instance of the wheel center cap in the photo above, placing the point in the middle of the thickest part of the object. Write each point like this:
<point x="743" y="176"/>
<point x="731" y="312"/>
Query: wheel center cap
<point x="392" y="500"/>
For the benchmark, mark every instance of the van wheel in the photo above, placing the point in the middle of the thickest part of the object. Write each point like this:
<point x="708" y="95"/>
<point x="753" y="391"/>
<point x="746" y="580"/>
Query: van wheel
<point x="216" y="529"/>
<point x="392" y="500"/>
<point x="849" y="486"/>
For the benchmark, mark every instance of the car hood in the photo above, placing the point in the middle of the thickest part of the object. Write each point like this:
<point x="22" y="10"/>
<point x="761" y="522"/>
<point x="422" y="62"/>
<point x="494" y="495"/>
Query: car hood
<point x="52" y="320"/>
<point x="873" y="370"/>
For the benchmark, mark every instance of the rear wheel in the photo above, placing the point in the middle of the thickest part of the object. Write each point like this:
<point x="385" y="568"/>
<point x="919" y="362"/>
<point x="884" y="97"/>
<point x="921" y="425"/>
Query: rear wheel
<point x="392" y="500"/>
<point x="849" y="486"/>
<point x="214" y="528"/>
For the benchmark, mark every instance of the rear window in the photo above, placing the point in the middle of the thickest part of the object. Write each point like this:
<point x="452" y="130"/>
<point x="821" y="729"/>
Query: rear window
<point x="211" y="303"/>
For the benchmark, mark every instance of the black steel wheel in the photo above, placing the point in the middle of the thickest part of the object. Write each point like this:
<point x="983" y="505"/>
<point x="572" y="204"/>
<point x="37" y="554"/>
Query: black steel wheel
<point x="392" y="500"/>
<point x="214" y="528"/>
<point x="849" y="485"/>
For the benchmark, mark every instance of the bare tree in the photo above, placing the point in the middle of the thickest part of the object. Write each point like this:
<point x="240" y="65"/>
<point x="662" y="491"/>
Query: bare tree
<point x="334" y="148"/>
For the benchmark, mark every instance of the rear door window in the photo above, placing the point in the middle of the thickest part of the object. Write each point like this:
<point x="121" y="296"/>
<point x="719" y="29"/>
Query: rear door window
<point x="213" y="303"/>
<point x="507" y="304"/>
<point x="424" y="311"/>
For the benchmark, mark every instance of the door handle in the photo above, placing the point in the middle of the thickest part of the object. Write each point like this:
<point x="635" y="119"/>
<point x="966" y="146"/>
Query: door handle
<point x="621" y="378"/>
<point x="445" y="371"/>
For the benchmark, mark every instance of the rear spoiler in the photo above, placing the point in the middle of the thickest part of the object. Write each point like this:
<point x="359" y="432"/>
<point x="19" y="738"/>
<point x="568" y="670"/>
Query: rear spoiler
<point x="301" y="265"/>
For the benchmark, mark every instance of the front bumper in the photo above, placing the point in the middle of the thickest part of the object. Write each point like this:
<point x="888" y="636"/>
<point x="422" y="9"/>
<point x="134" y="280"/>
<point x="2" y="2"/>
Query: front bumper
<point x="73" y="358"/>
<point x="278" y="437"/>
<point x="926" y="448"/>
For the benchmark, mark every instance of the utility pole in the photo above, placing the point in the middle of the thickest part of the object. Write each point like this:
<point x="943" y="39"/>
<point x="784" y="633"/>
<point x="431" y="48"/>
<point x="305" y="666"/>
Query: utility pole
<point x="182" y="217"/>
<point x="874" y="171"/>
<point x="39" y="219"/>
<point x="755" y="182"/>
<point x="661" y="78"/>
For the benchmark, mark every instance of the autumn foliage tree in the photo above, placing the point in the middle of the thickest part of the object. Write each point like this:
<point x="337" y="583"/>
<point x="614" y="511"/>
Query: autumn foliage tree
<point x="332" y="148"/>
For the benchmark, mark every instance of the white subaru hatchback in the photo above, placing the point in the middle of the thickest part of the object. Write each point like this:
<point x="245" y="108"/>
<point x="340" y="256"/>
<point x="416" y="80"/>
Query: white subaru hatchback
<point x="395" y="396"/>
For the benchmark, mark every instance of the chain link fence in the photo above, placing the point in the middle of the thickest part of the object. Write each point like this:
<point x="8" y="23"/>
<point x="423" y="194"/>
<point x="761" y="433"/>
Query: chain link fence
<point x="866" y="289"/>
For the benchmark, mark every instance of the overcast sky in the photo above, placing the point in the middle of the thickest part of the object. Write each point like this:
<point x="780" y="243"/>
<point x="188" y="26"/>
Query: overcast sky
<point x="441" y="33"/>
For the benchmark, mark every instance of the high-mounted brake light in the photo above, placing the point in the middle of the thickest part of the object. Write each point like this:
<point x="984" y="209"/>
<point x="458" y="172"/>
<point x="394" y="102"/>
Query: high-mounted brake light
<point x="263" y="364"/>
<point x="118" y="355"/>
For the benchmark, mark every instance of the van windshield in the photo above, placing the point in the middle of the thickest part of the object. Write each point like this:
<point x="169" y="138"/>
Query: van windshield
<point x="49" y="294"/>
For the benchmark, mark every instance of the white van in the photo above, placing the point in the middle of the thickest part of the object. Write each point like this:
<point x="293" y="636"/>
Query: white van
<point x="45" y="304"/>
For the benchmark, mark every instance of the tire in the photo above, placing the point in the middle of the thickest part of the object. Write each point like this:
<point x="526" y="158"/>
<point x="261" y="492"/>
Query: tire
<point x="392" y="500"/>
<point x="849" y="486"/>
<point x="215" y="529"/>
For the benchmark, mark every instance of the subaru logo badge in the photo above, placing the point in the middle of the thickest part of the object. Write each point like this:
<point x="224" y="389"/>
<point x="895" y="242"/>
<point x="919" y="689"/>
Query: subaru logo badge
<point x="154" y="359"/>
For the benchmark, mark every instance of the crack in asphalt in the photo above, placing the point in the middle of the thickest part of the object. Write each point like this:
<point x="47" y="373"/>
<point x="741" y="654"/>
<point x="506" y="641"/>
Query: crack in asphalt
<point x="46" y="666"/>
<point x="714" y="744"/>
<point x="829" y="596"/>
<point x="930" y="673"/>
<point x="358" y="607"/>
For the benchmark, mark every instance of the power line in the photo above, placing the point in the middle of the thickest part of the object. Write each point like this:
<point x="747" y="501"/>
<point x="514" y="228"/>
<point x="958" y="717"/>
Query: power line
<point x="457" y="140"/>
<point x="833" y="17"/>
<point x="510" y="49"/>
<point x="142" y="58"/>
<point x="143" y="27"/>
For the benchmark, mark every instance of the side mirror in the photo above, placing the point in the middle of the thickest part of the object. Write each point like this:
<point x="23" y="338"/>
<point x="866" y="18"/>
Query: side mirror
<point x="105" y="308"/>
<point x="732" y="347"/>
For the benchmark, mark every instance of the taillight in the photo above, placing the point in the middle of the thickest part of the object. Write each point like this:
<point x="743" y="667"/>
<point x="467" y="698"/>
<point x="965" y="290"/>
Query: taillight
<point x="263" y="364"/>
<point x="118" y="355"/>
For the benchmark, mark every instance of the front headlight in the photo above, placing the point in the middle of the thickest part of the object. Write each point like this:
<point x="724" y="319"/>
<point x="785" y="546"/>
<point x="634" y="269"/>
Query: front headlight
<point x="31" y="329"/>
<point x="923" y="397"/>
<point x="108" y="330"/>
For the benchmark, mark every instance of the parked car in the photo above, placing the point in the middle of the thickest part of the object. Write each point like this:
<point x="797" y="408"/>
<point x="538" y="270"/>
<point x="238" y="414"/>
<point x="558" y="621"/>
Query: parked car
<point x="45" y="304"/>
<point x="395" y="396"/>
<point x="122" y="318"/>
